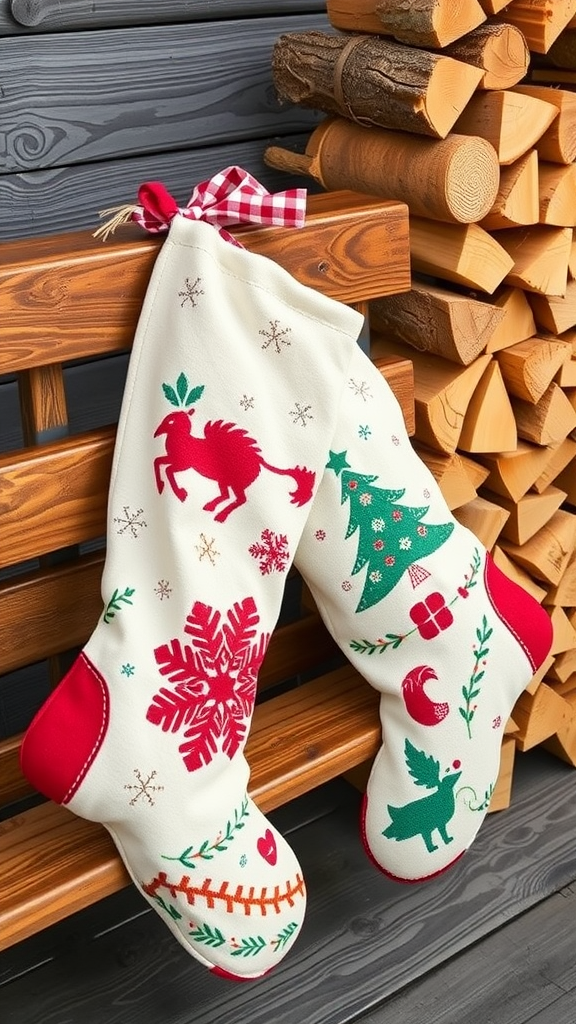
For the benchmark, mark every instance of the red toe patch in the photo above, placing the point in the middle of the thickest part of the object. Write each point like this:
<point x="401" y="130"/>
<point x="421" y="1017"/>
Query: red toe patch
<point x="520" y="612"/>
<point x="67" y="733"/>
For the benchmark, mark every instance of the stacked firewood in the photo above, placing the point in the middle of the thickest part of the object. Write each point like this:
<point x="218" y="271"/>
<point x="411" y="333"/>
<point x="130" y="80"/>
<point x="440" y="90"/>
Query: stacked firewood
<point x="455" y="109"/>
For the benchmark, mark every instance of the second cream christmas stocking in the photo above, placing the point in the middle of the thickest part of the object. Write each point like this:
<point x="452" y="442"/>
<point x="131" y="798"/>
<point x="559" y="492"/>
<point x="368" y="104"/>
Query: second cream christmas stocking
<point x="418" y="606"/>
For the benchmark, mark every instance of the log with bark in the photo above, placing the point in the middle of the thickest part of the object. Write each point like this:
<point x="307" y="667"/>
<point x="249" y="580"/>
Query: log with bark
<point x="499" y="49"/>
<point x="427" y="23"/>
<point x="433" y="319"/>
<point x="454" y="179"/>
<point x="373" y="80"/>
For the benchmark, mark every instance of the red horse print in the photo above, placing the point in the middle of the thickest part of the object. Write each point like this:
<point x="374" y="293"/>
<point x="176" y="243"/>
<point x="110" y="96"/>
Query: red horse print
<point x="225" y="454"/>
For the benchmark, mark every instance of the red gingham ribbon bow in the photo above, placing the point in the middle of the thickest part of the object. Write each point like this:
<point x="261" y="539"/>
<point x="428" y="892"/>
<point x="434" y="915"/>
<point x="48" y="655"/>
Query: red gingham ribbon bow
<point x="231" y="197"/>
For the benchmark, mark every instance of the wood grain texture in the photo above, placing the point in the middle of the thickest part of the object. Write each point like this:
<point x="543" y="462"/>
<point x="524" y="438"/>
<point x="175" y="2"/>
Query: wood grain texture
<point x="68" y="198"/>
<point x="60" y="294"/>
<point x="54" y="15"/>
<point x="365" y="938"/>
<point x="59" y="491"/>
<point x="78" y="97"/>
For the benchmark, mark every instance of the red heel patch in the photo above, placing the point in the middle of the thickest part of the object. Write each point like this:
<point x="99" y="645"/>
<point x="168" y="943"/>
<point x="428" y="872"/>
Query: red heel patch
<point x="520" y="612"/>
<point x="67" y="733"/>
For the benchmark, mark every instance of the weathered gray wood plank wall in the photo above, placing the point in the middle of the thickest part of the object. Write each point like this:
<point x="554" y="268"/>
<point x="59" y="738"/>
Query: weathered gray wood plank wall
<point x="97" y="96"/>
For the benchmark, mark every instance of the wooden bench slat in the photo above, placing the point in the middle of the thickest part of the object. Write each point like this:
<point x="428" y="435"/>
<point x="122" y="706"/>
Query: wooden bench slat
<point x="58" y="491"/>
<point x="52" y="863"/>
<point x="82" y="296"/>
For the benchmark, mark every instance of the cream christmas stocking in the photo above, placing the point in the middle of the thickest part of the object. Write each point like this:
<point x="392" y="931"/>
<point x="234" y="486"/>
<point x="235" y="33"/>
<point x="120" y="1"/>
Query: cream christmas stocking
<point x="232" y="395"/>
<point x="422" y="612"/>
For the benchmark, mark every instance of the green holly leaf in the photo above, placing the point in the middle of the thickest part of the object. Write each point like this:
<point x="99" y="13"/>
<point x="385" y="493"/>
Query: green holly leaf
<point x="182" y="387"/>
<point x="423" y="768"/>
<point x="170" y="394"/>
<point x="194" y="395"/>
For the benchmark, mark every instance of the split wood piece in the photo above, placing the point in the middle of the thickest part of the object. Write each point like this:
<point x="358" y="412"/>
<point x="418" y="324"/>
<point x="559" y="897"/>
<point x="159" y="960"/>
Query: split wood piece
<point x="483" y="518"/>
<point x="517" y="323"/>
<point x="502" y="793"/>
<point x="499" y="49"/>
<point x="518" y="198"/>
<point x="428" y="23"/>
<point x="489" y="424"/>
<point x="560" y="457"/>
<point x="566" y="376"/>
<point x="548" y="421"/>
<point x="450" y="475"/>
<point x="564" y="634"/>
<point x="529" y="367"/>
<point x="462" y="253"/>
<point x="399" y="375"/>
<point x="513" y="473"/>
<point x="555" y="313"/>
<point x="565" y="592"/>
<point x="454" y="179"/>
<point x="567" y="481"/>
<point x="540" y="255"/>
<point x="562" y="53"/>
<point x="512" y="123"/>
<point x="572" y="262"/>
<point x="477" y="473"/>
<point x="563" y="671"/>
<point x="521" y="577"/>
<point x="541" y="674"/>
<point x="373" y="80"/>
<point x="547" y="553"/>
<point x="528" y="515"/>
<point x="563" y="743"/>
<point x="437" y="320"/>
<point x="558" y="143"/>
<point x="442" y="391"/>
<point x="539" y="716"/>
<point x="493" y="6"/>
<point x="557" y="192"/>
<point x="541" y="21"/>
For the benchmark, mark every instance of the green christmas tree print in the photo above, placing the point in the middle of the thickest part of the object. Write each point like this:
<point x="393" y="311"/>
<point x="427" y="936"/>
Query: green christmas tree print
<point x="391" y="537"/>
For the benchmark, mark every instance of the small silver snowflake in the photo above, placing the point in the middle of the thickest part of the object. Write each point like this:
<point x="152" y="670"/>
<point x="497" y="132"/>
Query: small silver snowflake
<point x="360" y="388"/>
<point x="395" y="440"/>
<point x="364" y="432"/>
<point x="375" y="576"/>
<point x="247" y="402"/>
<point x="404" y="543"/>
<point x="301" y="414"/>
<point x="378" y="524"/>
<point x="243" y="860"/>
<point x="163" y="589"/>
<point x="191" y="292"/>
<point x="143" y="788"/>
<point x="131" y="522"/>
<point x="127" y="670"/>
<point x="206" y="549"/>
<point x="276" y="336"/>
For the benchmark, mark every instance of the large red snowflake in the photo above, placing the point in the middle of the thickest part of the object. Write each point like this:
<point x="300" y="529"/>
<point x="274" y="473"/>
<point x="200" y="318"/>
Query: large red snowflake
<point x="214" y="681"/>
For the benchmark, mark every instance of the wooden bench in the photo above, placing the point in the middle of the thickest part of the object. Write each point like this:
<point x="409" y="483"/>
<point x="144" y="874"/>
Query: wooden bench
<point x="68" y="298"/>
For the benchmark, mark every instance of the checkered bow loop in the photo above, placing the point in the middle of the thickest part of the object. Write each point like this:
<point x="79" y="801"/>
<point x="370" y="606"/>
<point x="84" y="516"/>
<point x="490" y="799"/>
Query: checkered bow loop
<point x="232" y="196"/>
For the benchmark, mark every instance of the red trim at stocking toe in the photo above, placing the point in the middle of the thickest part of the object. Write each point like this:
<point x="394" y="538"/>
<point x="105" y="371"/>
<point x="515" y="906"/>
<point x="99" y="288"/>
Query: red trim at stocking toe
<point x="67" y="733"/>
<point x="520" y="612"/>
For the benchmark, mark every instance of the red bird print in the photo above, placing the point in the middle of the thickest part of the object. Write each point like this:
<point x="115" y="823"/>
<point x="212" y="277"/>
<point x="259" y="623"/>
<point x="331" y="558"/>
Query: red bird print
<point x="225" y="454"/>
<point x="418" y="703"/>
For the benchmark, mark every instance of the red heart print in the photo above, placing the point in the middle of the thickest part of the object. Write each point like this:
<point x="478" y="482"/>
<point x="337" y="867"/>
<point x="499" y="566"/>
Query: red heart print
<point x="266" y="847"/>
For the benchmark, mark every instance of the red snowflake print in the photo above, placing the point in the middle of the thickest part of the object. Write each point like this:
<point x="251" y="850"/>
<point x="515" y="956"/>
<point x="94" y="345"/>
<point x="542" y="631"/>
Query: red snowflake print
<point x="421" y="530"/>
<point x="352" y="486"/>
<point x="431" y="615"/>
<point x="213" y="681"/>
<point x="397" y="515"/>
<point x="272" y="551"/>
<point x="378" y="545"/>
<point x="346" y="586"/>
<point x="320" y="534"/>
<point x="389" y="560"/>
